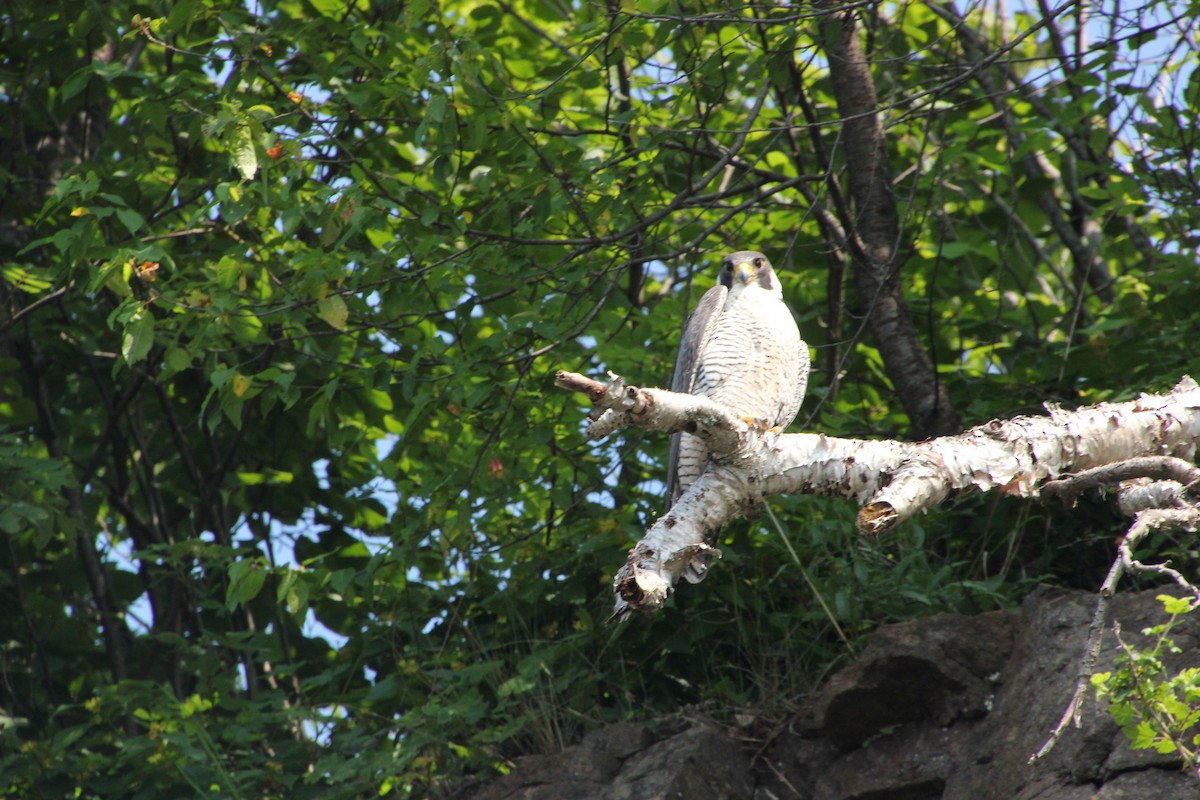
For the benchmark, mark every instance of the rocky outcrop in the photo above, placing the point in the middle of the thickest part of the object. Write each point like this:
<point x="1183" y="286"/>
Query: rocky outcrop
<point x="630" y="762"/>
<point x="951" y="707"/>
<point x="945" y="708"/>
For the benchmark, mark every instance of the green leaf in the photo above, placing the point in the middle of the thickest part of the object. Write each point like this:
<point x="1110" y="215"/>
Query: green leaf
<point x="246" y="580"/>
<point x="138" y="337"/>
<point x="77" y="82"/>
<point x="131" y="219"/>
<point x="267" y="477"/>
<point x="178" y="359"/>
<point x="1175" y="605"/>
<point x="957" y="249"/>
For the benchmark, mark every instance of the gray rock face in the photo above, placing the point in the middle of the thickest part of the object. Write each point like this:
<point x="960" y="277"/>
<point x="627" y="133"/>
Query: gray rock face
<point x="945" y="708"/>
<point x="628" y="762"/>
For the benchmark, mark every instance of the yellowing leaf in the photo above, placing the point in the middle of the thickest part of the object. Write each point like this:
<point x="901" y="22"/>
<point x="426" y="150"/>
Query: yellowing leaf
<point x="244" y="156"/>
<point x="80" y="211"/>
<point x="333" y="310"/>
<point x="197" y="299"/>
<point x="240" y="384"/>
<point x="27" y="280"/>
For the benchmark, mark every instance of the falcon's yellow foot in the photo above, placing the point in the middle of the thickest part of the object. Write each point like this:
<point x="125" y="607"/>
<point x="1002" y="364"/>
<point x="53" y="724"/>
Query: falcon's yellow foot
<point x="761" y="424"/>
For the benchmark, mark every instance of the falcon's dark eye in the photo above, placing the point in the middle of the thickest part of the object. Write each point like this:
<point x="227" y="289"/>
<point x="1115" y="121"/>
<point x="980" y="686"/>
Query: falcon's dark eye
<point x="758" y="263"/>
<point x="727" y="266"/>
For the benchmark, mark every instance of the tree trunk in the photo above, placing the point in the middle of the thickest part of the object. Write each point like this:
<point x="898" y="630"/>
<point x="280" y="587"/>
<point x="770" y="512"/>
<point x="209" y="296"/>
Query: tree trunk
<point x="875" y="236"/>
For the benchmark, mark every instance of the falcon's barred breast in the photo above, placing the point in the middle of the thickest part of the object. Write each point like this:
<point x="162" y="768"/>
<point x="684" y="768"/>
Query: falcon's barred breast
<point x="741" y="348"/>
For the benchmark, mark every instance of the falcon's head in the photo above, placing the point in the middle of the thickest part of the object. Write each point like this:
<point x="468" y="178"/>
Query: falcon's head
<point x="748" y="268"/>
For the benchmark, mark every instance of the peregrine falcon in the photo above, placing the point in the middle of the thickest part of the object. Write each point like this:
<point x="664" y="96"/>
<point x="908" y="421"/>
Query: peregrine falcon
<point x="741" y="348"/>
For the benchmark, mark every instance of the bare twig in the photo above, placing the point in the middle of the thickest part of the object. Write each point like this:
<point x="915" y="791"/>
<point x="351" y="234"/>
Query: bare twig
<point x="1160" y="468"/>
<point x="41" y="302"/>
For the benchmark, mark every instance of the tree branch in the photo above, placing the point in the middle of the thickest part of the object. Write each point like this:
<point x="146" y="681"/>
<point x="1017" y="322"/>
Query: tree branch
<point x="892" y="481"/>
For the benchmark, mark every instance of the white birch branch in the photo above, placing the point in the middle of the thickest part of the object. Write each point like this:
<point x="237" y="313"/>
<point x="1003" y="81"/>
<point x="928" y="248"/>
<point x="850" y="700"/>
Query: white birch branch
<point x="891" y="481"/>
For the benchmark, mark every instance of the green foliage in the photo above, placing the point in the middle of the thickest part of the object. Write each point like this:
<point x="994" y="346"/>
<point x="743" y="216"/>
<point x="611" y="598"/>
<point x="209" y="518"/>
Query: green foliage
<point x="289" y="504"/>
<point x="1155" y="710"/>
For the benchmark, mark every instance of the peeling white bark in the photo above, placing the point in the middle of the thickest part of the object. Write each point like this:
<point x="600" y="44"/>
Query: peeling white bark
<point x="1145" y="494"/>
<point x="891" y="481"/>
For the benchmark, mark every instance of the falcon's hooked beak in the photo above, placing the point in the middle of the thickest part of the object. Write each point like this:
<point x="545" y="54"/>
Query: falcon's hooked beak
<point x="745" y="273"/>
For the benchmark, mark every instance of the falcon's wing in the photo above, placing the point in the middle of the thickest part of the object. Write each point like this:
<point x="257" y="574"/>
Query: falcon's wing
<point x="695" y="334"/>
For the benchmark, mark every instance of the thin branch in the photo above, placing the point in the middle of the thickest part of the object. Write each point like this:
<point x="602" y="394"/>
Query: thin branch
<point x="1160" y="468"/>
<point x="41" y="302"/>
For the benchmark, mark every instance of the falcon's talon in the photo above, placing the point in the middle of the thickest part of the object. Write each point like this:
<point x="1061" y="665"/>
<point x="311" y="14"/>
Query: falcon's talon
<point x="763" y="425"/>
